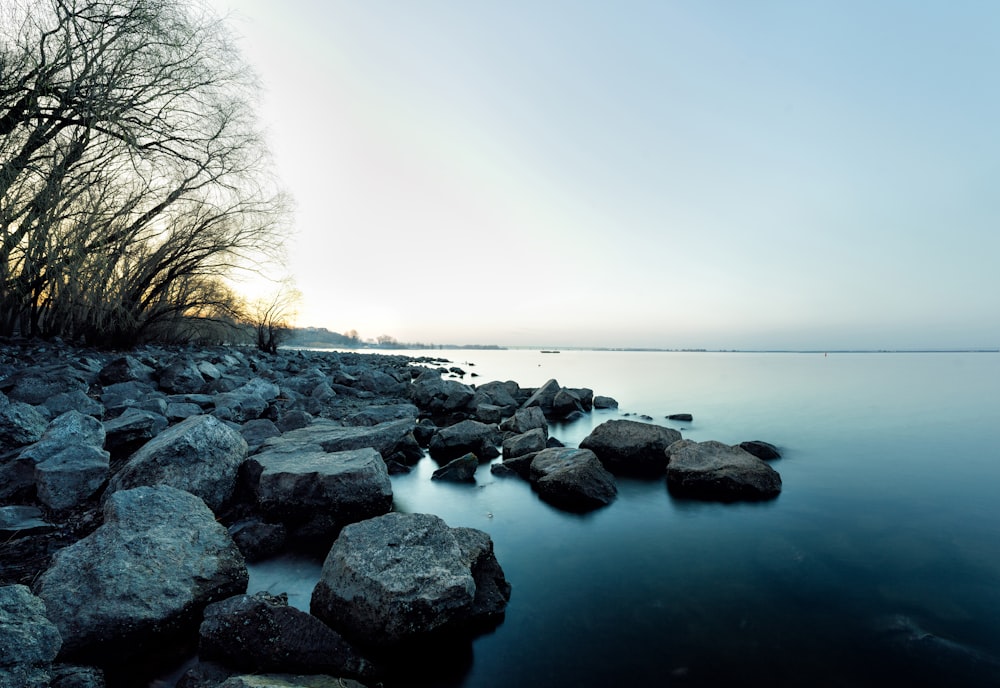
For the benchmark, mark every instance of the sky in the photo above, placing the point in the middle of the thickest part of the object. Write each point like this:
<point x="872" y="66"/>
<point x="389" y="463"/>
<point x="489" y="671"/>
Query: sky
<point x="669" y="174"/>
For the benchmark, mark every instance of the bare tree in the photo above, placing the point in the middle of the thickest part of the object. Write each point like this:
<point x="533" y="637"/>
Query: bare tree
<point x="271" y="318"/>
<point x="133" y="179"/>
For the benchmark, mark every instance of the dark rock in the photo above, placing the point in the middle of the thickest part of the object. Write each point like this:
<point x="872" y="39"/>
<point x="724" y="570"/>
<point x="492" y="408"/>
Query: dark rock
<point x="289" y="681"/>
<point x="76" y="676"/>
<point x="566" y="403"/>
<point x="424" y="432"/>
<point x="490" y="413"/>
<point x="373" y="415"/>
<point x="543" y="397"/>
<point x="124" y="395"/>
<point x="468" y="436"/>
<point x="553" y="443"/>
<point x="159" y="557"/>
<point x="125" y="369"/>
<point x="400" y="577"/>
<point x="504" y="471"/>
<point x="262" y="633"/>
<point x="462" y="470"/>
<point x="713" y="470"/>
<point x="35" y="384"/>
<point x="181" y="377"/>
<point x="256" y="432"/>
<point x="572" y="479"/>
<point x="132" y="429"/>
<point x="177" y="411"/>
<point x="293" y="419"/>
<point x="680" y="416"/>
<point x="525" y="443"/>
<point x="75" y="400"/>
<point x="393" y="440"/>
<point x="258" y="540"/>
<point x="20" y="423"/>
<point x="200" y="455"/>
<point x="71" y="476"/>
<point x="21" y="521"/>
<point x="440" y="397"/>
<point x="27" y="637"/>
<point x="631" y="447"/>
<point x="323" y="491"/>
<point x="762" y="450"/>
<point x="602" y="402"/>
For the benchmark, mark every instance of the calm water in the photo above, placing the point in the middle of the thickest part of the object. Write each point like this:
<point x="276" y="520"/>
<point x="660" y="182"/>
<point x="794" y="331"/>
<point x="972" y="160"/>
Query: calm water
<point x="888" y="518"/>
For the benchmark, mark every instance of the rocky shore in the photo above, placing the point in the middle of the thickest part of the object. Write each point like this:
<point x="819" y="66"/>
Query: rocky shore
<point x="135" y="486"/>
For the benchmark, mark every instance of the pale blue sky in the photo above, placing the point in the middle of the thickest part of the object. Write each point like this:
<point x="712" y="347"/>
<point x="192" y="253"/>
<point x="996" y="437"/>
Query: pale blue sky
<point x="666" y="174"/>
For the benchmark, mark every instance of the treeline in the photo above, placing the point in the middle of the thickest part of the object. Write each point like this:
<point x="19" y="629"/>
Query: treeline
<point x="319" y="337"/>
<point x="133" y="178"/>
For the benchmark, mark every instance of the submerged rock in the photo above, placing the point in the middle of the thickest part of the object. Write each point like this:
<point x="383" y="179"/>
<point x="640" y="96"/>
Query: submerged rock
<point x="400" y="577"/>
<point x="762" y="450"/>
<point x="461" y="470"/>
<point x="713" y="470"/>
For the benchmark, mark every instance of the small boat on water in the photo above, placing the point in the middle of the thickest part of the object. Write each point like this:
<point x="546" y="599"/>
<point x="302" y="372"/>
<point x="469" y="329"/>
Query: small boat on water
<point x="549" y="351"/>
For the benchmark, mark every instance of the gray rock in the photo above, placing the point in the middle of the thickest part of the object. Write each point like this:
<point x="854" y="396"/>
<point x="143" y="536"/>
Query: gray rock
<point x="440" y="397"/>
<point x="572" y="479"/>
<point x="200" y="455"/>
<point x="34" y="385"/>
<point x="491" y="413"/>
<point x="71" y="476"/>
<point x="293" y="420"/>
<point x="181" y="377"/>
<point x="262" y="633"/>
<point x="543" y="397"/>
<point x="524" y="420"/>
<point x="373" y="415"/>
<point x="398" y="577"/>
<point x="681" y="416"/>
<point x="27" y="637"/>
<point x="21" y="521"/>
<point x="289" y="681"/>
<point x="393" y="440"/>
<point x="258" y="540"/>
<point x="460" y="470"/>
<point x="125" y="369"/>
<point x="20" y="423"/>
<point x="75" y="400"/>
<point x="177" y="411"/>
<point x="713" y="470"/>
<point x="76" y="676"/>
<point x="502" y="394"/>
<point x="631" y="447"/>
<point x="256" y="432"/>
<point x="565" y="403"/>
<point x="603" y="402"/>
<point x="157" y="560"/>
<point x="209" y="371"/>
<point x="124" y="395"/>
<point x="239" y="406"/>
<point x="469" y="436"/>
<point x="525" y="443"/>
<point x="324" y="490"/>
<point x="132" y="429"/>
<point x="762" y="450"/>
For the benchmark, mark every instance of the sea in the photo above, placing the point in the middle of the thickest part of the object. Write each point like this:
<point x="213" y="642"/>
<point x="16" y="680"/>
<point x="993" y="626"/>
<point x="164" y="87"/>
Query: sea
<point x="878" y="564"/>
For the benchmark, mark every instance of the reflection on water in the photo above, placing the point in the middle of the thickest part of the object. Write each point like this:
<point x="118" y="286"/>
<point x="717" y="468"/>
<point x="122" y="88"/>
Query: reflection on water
<point x="888" y="511"/>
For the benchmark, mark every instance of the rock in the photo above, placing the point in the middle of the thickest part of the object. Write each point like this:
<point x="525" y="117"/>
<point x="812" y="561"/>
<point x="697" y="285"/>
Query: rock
<point x="262" y="633"/>
<point x="76" y="676"/>
<point x="177" y="411"/>
<point x="323" y="491"/>
<point x="35" y="384"/>
<point x="543" y="397"/>
<point x="525" y="443"/>
<point x="572" y="479"/>
<point x="181" y="377"/>
<point x="293" y="419"/>
<point x="399" y="577"/>
<point x="209" y="371"/>
<point x="258" y="540"/>
<point x="71" y="477"/>
<point x="393" y="440"/>
<point x="125" y="369"/>
<point x="373" y="415"/>
<point x="713" y="470"/>
<point x="462" y="470"/>
<point x="200" y="455"/>
<point x="147" y="572"/>
<point x="440" y="397"/>
<point x="289" y="681"/>
<point x="762" y="450"/>
<point x="239" y="406"/>
<point x="565" y="403"/>
<point x="20" y="423"/>
<point x="27" y="637"/>
<point x="21" y="521"/>
<point x="74" y="400"/>
<point x="131" y="430"/>
<point x="630" y="447"/>
<point x="680" y="416"/>
<point x="77" y="440"/>
<point x="256" y="432"/>
<point x="502" y="394"/>
<point x="124" y="395"/>
<point x="524" y="420"/>
<point x="424" y="432"/>
<point x="468" y="436"/>
<point x="490" y="413"/>
<point x="602" y="402"/>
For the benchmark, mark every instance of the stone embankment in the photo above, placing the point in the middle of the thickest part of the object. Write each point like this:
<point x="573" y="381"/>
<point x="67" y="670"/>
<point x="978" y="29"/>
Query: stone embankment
<point x="135" y="487"/>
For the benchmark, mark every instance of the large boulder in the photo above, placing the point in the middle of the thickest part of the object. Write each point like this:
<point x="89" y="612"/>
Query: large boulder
<point x="33" y="385"/>
<point x="71" y="476"/>
<point x="572" y="479"/>
<point x="143" y="575"/>
<point x="460" y="470"/>
<point x="320" y="492"/>
<point x="525" y="443"/>
<point x="262" y="633"/>
<point x="630" y="447"/>
<point x="468" y="436"/>
<point x="713" y="470"/>
<point x="761" y="449"/>
<point x="74" y="400"/>
<point x="125" y="369"/>
<point x="544" y="397"/>
<point x="201" y="455"/>
<point x="441" y="397"/>
<point x="181" y="377"/>
<point x="132" y="429"/>
<point x="373" y="415"/>
<point x="400" y="577"/>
